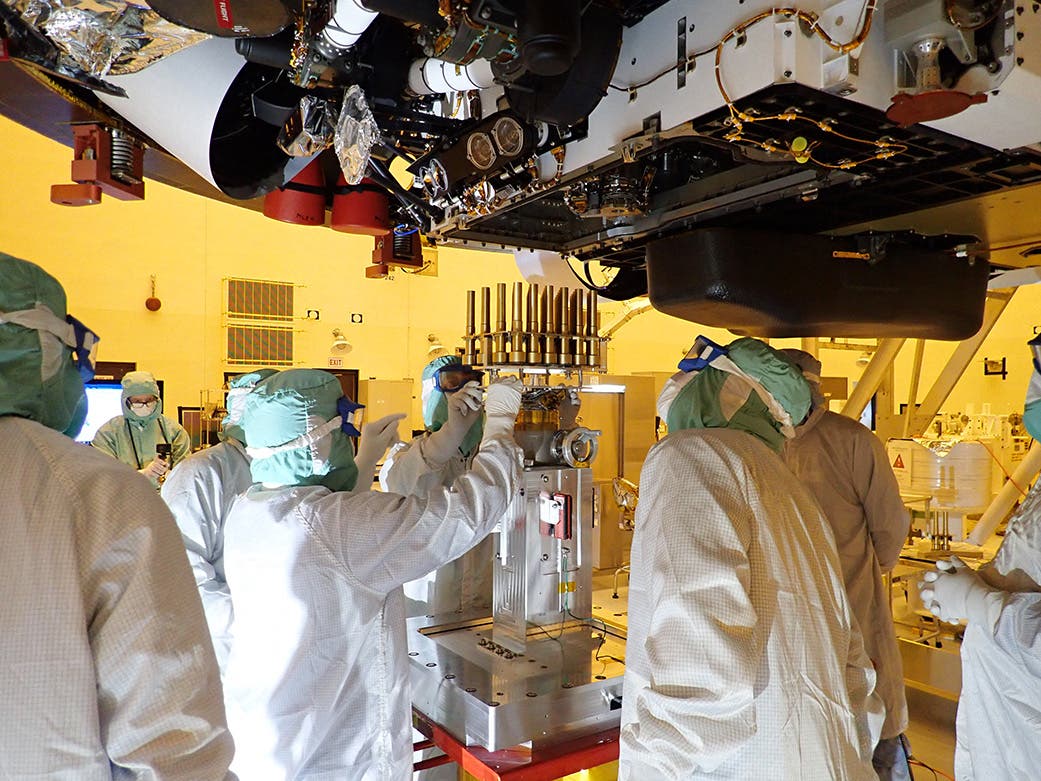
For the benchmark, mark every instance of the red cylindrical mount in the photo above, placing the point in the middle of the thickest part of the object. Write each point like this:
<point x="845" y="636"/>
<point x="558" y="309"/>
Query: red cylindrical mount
<point x="364" y="209"/>
<point x="302" y="200"/>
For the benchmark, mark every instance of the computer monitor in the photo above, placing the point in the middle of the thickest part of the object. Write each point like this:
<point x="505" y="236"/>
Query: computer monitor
<point x="104" y="402"/>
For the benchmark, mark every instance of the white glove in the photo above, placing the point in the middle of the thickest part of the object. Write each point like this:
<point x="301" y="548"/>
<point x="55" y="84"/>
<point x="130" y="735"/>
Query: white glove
<point x="501" y="407"/>
<point x="954" y="591"/>
<point x="464" y="407"/>
<point x="376" y="437"/>
<point x="156" y="469"/>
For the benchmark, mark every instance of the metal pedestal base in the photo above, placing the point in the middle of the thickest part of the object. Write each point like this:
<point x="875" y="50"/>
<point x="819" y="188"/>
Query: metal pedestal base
<point x="567" y="685"/>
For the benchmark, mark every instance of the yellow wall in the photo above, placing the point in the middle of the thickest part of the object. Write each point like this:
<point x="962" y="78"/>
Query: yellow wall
<point x="105" y="255"/>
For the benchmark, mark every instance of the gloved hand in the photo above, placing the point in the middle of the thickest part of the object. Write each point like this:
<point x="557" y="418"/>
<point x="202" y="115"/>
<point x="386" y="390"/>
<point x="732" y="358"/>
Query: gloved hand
<point x="954" y="591"/>
<point x="376" y="437"/>
<point x="155" y="469"/>
<point x="501" y="407"/>
<point x="464" y="407"/>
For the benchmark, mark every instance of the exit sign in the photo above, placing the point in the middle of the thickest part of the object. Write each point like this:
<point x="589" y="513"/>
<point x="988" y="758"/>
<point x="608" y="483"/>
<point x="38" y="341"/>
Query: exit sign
<point x="336" y="363"/>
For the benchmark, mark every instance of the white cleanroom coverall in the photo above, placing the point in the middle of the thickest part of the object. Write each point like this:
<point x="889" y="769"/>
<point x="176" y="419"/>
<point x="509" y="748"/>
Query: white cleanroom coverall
<point x="999" y="711"/>
<point x="454" y="422"/>
<point x="317" y="681"/>
<point x="846" y="469"/>
<point x="464" y="584"/>
<point x="199" y="493"/>
<point x="106" y="670"/>
<point x="743" y="659"/>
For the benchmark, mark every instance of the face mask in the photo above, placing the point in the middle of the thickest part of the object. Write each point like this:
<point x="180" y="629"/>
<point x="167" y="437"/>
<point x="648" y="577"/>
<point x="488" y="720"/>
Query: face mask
<point x="1032" y="407"/>
<point x="66" y="400"/>
<point x="236" y="403"/>
<point x="1032" y="419"/>
<point x="79" y="416"/>
<point x="435" y="405"/>
<point x="143" y="410"/>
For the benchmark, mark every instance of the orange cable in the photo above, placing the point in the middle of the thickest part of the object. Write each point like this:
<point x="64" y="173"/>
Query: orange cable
<point x="933" y="770"/>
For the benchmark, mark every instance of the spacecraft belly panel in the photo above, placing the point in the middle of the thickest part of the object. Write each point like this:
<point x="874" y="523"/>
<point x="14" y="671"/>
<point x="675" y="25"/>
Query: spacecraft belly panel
<point x="594" y="128"/>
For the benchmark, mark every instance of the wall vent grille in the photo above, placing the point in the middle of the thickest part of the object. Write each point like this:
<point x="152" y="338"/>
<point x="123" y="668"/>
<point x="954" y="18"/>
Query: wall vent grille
<point x="258" y="322"/>
<point x="258" y="299"/>
<point x="254" y="345"/>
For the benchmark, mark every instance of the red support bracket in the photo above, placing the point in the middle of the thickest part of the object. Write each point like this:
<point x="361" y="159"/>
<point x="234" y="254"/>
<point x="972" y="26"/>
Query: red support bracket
<point x="521" y="763"/>
<point x="105" y="160"/>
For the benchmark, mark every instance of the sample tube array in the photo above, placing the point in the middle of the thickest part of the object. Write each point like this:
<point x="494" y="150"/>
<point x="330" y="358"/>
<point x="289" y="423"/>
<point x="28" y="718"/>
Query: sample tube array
<point x="556" y="328"/>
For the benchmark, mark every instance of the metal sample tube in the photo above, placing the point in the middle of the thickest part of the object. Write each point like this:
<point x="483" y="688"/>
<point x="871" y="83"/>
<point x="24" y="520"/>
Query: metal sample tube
<point x="486" y="326"/>
<point x="564" y="326"/>
<point x="591" y="336"/>
<point x="469" y="339"/>
<point x="545" y="302"/>
<point x="518" y="353"/>
<point x="518" y="307"/>
<point x="500" y="324"/>
<point x="578" y="327"/>
<point x="528" y="322"/>
<point x="599" y="347"/>
<point x="552" y="340"/>
<point x="534" y="332"/>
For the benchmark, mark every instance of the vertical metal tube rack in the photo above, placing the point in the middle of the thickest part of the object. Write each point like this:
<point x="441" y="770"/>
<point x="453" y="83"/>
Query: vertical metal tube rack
<point x="470" y="338"/>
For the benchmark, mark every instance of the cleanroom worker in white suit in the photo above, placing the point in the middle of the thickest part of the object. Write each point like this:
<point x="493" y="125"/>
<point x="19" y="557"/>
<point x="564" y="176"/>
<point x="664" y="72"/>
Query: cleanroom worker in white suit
<point x="317" y="681"/>
<point x="106" y="669"/>
<point x="999" y="711"/>
<point x="452" y="414"/>
<point x="846" y="469"/>
<point x="200" y="493"/>
<point x="743" y="659"/>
